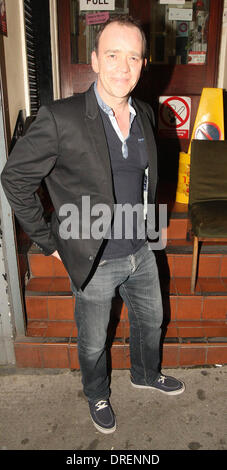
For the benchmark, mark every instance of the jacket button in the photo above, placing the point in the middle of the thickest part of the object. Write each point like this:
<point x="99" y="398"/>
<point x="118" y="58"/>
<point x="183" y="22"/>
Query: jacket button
<point x="91" y="258"/>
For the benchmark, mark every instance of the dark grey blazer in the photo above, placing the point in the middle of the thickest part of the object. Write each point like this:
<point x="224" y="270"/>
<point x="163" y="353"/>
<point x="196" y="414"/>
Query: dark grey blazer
<point x="66" y="146"/>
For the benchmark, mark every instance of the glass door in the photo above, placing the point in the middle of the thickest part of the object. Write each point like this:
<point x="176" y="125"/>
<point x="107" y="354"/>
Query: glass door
<point x="183" y="40"/>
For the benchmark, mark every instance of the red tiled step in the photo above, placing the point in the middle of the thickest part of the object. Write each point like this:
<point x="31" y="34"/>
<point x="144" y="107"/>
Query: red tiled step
<point x="197" y="329"/>
<point x="177" y="264"/>
<point x="48" y="286"/>
<point x="45" y="266"/>
<point x="177" y="228"/>
<point x="52" y="299"/>
<point x="176" y="329"/>
<point x="32" y="352"/>
<point x="210" y="265"/>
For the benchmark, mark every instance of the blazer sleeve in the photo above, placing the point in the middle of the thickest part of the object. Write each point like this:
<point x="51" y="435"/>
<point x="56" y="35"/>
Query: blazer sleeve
<point x="32" y="158"/>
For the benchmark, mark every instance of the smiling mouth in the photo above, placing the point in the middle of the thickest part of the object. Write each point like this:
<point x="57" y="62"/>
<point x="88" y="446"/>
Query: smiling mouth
<point x="122" y="80"/>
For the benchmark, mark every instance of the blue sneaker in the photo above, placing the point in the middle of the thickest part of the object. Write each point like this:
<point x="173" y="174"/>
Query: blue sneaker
<point x="165" y="384"/>
<point x="102" y="416"/>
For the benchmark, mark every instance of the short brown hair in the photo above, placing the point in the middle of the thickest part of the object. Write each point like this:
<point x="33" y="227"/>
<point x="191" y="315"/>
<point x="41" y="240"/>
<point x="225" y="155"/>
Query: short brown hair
<point x="124" y="20"/>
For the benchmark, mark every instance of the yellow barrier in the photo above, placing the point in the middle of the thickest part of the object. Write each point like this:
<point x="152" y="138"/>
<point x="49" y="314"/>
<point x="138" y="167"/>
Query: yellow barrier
<point x="209" y="122"/>
<point x="209" y="125"/>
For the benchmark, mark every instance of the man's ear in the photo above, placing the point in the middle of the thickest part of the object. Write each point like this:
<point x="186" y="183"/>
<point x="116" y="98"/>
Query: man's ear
<point x="94" y="62"/>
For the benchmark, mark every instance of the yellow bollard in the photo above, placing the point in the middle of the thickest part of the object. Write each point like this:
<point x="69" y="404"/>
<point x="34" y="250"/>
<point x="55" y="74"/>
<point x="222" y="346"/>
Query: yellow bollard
<point x="183" y="178"/>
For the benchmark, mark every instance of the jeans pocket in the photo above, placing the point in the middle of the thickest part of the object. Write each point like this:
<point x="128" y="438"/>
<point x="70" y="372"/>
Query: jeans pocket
<point x="73" y="288"/>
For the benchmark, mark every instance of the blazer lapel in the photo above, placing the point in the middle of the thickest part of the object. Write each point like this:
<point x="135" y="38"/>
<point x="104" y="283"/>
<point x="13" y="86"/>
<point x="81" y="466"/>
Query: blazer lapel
<point x="97" y="134"/>
<point x="151" y="149"/>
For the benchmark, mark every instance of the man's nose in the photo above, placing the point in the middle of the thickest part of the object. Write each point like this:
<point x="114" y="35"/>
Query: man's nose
<point x="123" y="64"/>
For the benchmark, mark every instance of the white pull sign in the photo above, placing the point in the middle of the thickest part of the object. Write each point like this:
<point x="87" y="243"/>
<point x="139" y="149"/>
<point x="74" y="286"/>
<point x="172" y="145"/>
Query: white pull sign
<point x="97" y="5"/>
<point x="180" y="14"/>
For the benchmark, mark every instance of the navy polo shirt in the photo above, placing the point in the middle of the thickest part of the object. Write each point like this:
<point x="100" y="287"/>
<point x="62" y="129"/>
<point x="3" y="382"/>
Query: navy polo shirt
<point x="128" y="162"/>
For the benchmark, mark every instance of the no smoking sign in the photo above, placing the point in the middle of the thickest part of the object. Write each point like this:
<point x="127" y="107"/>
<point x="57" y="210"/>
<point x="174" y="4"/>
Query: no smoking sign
<point x="174" y="116"/>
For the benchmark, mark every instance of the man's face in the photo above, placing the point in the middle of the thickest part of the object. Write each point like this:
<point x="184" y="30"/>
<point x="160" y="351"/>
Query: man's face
<point x="118" y="61"/>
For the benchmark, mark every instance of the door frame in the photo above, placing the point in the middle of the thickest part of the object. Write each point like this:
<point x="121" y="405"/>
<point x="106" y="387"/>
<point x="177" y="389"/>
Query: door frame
<point x="13" y="315"/>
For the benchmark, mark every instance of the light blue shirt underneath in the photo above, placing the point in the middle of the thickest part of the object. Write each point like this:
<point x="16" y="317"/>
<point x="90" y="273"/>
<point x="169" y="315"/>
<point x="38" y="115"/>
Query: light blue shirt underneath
<point x="108" y="110"/>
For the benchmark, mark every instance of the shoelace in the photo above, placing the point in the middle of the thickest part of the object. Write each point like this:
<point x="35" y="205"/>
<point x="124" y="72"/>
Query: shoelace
<point x="161" y="379"/>
<point x="101" y="404"/>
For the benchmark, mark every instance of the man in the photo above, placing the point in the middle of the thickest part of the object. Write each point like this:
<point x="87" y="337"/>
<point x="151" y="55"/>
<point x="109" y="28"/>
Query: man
<point x="98" y="144"/>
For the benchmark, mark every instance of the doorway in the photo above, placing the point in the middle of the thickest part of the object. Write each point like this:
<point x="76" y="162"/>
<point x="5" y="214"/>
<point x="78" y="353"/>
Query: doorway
<point x="183" y="51"/>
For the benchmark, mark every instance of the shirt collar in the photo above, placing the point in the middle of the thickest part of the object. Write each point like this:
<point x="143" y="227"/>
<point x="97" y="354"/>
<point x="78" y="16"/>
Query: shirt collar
<point x="106" y="108"/>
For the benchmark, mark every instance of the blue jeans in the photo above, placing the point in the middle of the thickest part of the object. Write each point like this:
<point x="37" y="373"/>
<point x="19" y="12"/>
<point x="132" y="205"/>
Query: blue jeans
<point x="136" y="277"/>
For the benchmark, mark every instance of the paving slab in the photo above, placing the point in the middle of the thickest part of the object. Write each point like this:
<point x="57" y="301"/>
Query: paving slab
<point x="45" y="409"/>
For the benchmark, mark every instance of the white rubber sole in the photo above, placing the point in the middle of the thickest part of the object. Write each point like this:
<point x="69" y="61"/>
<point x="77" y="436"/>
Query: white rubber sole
<point x="173" y="392"/>
<point x="104" y="430"/>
